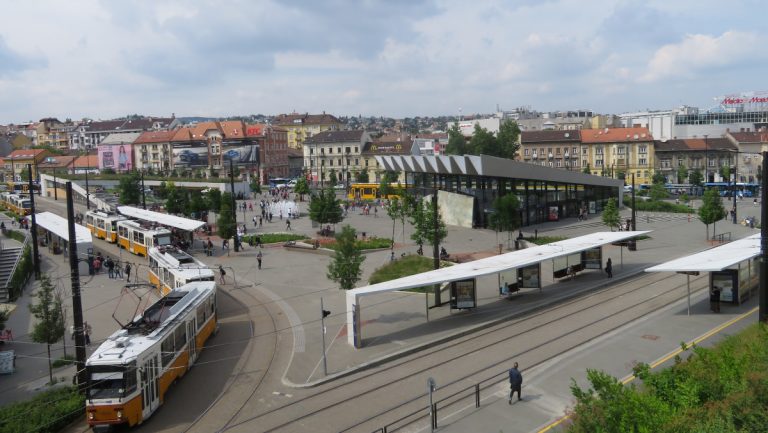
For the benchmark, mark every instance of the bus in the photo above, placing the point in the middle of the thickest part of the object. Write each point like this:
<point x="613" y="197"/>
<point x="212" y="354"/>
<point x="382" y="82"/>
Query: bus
<point x="742" y="188"/>
<point x="138" y="238"/>
<point x="370" y="191"/>
<point x="129" y="374"/>
<point x="171" y="268"/>
<point x="103" y="225"/>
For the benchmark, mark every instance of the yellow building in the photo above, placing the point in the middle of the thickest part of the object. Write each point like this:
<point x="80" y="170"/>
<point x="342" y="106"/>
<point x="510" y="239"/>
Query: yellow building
<point x="300" y="127"/>
<point x="616" y="151"/>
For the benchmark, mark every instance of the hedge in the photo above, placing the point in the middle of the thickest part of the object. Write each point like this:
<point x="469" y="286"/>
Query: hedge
<point x="271" y="238"/>
<point x="49" y="411"/>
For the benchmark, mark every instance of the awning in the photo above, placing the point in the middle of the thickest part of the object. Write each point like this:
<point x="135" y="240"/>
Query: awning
<point x="714" y="259"/>
<point x="59" y="226"/>
<point x="180" y="223"/>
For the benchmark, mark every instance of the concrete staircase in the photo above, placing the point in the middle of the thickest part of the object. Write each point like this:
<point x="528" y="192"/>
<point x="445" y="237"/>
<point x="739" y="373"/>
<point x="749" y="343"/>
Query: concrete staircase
<point x="8" y="259"/>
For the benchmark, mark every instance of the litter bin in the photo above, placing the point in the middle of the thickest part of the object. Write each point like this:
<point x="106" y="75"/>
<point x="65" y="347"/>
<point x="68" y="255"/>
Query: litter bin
<point x="632" y="245"/>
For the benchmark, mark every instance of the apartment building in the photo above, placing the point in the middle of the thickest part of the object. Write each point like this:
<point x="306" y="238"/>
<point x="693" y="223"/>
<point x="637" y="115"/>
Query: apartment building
<point x="553" y="148"/>
<point x="619" y="152"/>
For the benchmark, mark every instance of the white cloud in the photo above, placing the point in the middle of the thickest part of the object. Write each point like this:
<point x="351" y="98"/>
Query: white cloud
<point x="697" y="53"/>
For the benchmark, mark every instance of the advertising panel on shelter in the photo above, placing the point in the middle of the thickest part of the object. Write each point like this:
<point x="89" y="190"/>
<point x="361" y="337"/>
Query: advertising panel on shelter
<point x="463" y="294"/>
<point x="727" y="282"/>
<point x="592" y="258"/>
<point x="529" y="277"/>
<point x="508" y="282"/>
<point x="117" y="157"/>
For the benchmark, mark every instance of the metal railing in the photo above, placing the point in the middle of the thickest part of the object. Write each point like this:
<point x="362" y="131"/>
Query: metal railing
<point x="18" y="260"/>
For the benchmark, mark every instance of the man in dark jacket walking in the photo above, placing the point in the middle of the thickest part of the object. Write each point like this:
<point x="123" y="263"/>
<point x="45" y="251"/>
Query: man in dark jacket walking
<point x="515" y="383"/>
<point x="609" y="268"/>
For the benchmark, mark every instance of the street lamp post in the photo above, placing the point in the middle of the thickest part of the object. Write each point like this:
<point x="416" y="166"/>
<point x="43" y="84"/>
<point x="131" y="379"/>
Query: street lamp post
<point x="87" y="190"/>
<point x="706" y="159"/>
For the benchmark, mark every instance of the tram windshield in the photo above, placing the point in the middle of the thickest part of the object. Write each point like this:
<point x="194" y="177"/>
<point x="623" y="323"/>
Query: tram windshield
<point x="106" y="384"/>
<point x="163" y="240"/>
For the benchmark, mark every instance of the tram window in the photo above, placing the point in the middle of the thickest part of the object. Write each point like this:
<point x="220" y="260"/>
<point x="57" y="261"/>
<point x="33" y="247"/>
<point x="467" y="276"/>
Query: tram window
<point x="181" y="337"/>
<point x="201" y="315"/>
<point x="167" y="350"/>
<point x="130" y="380"/>
<point x="106" y="384"/>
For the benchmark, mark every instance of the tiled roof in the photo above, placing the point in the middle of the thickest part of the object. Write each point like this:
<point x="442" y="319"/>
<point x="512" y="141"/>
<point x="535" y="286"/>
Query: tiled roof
<point x="182" y="135"/>
<point x="394" y="137"/>
<point x="87" y="161"/>
<point x="105" y="125"/>
<point x="693" y="144"/>
<point x="232" y="129"/>
<point x="57" y="161"/>
<point x="615" y="135"/>
<point x="549" y="136"/>
<point x="155" y="137"/>
<point x="435" y="136"/>
<point x="121" y="138"/>
<point x="336" y="136"/>
<point x="306" y="119"/>
<point x="750" y="137"/>
<point x="25" y="153"/>
<point x="294" y="153"/>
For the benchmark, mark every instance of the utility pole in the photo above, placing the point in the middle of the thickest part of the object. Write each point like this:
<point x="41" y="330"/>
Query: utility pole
<point x="634" y="212"/>
<point x="436" y="229"/>
<point x="55" y="186"/>
<point x="234" y="203"/>
<point x="77" y="306"/>
<point x="35" y="255"/>
<point x="143" y="196"/>
<point x="323" y="314"/>
<point x="763" y="315"/>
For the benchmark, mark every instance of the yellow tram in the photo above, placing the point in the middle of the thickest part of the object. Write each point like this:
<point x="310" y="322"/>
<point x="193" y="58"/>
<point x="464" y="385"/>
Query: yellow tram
<point x="370" y="191"/>
<point x="138" y="237"/>
<point x="130" y="373"/>
<point x="171" y="268"/>
<point x="16" y="203"/>
<point x="103" y="225"/>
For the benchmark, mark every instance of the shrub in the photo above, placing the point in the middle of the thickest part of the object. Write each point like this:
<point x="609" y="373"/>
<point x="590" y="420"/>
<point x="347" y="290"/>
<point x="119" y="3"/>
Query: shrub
<point x="64" y="360"/>
<point x="403" y="267"/>
<point x="271" y="238"/>
<point x="49" y="411"/>
<point x="662" y="206"/>
<point x="367" y="244"/>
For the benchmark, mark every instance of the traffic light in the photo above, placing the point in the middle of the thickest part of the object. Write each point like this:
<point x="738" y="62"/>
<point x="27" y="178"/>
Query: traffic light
<point x="326" y="313"/>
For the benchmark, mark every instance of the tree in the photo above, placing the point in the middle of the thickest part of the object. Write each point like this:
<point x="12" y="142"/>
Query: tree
<point x="508" y="139"/>
<point x="226" y="222"/>
<point x="506" y="214"/>
<point x="325" y="208"/>
<point x="50" y="324"/>
<point x="611" y="214"/>
<point x="333" y="179"/>
<point x="658" y="177"/>
<point x="130" y="188"/>
<point x="214" y="199"/>
<point x="682" y="174"/>
<point x="385" y="186"/>
<point x="658" y="192"/>
<point x="711" y="209"/>
<point x="174" y="199"/>
<point x="423" y="218"/>
<point x="301" y="188"/>
<point x="255" y="185"/>
<point x="586" y="170"/>
<point x="483" y="142"/>
<point x="197" y="204"/>
<point x="696" y="178"/>
<point x="396" y="209"/>
<point x="362" y="176"/>
<point x="457" y="144"/>
<point x="344" y="268"/>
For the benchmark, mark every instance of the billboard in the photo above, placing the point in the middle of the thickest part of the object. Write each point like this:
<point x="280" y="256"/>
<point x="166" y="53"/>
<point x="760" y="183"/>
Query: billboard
<point x="198" y="156"/>
<point x="463" y="294"/>
<point x="118" y="157"/>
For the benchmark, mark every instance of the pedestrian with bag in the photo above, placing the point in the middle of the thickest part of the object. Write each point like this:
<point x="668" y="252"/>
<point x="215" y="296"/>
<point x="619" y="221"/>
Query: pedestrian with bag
<point x="515" y="383"/>
<point x="609" y="268"/>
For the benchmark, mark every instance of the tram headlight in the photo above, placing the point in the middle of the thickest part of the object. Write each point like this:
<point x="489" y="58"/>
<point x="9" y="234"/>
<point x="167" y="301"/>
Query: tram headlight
<point x="119" y="414"/>
<point x="90" y="416"/>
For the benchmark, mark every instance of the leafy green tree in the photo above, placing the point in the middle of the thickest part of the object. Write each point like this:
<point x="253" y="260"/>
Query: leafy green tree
<point x="423" y="218"/>
<point x="711" y="210"/>
<point x="325" y="208"/>
<point x="174" y="203"/>
<point x="130" y="188"/>
<point x="344" y="268"/>
<point x="658" y="192"/>
<point x="385" y="186"/>
<point x="396" y="209"/>
<point x="50" y="324"/>
<point x="255" y="185"/>
<point x="197" y="204"/>
<point x="696" y="178"/>
<point x="586" y="170"/>
<point x="457" y="143"/>
<point x="333" y="179"/>
<point x="226" y="221"/>
<point x="508" y="139"/>
<point x="362" y="176"/>
<point x="506" y="215"/>
<point x="483" y="142"/>
<point x="301" y="188"/>
<point x="682" y="174"/>
<point x="161" y="191"/>
<point x="658" y="177"/>
<point x="611" y="214"/>
<point x="725" y="173"/>
<point x="214" y="199"/>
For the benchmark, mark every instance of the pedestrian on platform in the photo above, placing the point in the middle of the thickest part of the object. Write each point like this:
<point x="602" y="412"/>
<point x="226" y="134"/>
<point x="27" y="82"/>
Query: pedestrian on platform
<point x="110" y="267"/>
<point x="127" y="272"/>
<point x="609" y="268"/>
<point x="222" y="275"/>
<point x="515" y="383"/>
<point x="714" y="299"/>
<point x="288" y="224"/>
<point x="87" y="333"/>
<point x="118" y="270"/>
<point x="258" y="258"/>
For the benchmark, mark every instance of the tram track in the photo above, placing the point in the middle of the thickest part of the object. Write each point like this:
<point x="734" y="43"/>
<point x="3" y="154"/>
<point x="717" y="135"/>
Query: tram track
<point x="329" y="398"/>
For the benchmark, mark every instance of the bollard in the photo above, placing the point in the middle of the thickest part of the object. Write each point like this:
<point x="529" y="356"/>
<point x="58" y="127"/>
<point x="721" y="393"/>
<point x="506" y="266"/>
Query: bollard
<point x="477" y="395"/>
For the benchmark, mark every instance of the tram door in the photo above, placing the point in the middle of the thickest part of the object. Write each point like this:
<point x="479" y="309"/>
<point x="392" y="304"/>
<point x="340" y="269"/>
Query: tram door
<point x="149" y="386"/>
<point x="192" y="335"/>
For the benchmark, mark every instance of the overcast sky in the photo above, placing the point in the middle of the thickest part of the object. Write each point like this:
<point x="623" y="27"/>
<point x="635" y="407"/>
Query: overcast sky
<point x="104" y="59"/>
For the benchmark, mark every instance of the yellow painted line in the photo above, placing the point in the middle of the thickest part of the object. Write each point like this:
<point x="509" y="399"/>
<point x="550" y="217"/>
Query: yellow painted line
<point x="667" y="357"/>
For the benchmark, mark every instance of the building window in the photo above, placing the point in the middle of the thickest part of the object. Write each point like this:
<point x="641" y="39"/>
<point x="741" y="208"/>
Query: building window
<point x="355" y="149"/>
<point x="598" y="151"/>
<point x="598" y="163"/>
<point x="357" y="162"/>
<point x="366" y="162"/>
<point x="330" y="150"/>
<point x="558" y="163"/>
<point x="557" y="151"/>
<point x="712" y="162"/>
<point x="643" y="161"/>
<point x="527" y="152"/>
<point x="339" y="149"/>
<point x="666" y="163"/>
<point x="680" y="162"/>
<point x="584" y="151"/>
<point x="575" y="152"/>
<point x="584" y="162"/>
<point x="642" y="149"/>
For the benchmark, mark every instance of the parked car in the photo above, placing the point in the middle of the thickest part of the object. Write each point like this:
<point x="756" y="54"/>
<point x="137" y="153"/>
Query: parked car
<point x="231" y="154"/>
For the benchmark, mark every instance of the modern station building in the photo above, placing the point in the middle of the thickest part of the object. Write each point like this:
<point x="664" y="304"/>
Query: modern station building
<point x="469" y="184"/>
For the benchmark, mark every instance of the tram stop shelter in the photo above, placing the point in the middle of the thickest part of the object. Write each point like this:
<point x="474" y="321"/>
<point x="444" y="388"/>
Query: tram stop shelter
<point x="517" y="269"/>
<point x="733" y="268"/>
<point x="182" y="224"/>
<point x="55" y="236"/>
